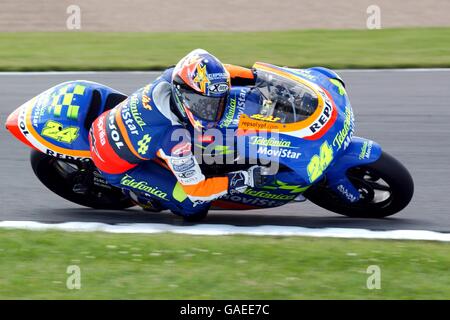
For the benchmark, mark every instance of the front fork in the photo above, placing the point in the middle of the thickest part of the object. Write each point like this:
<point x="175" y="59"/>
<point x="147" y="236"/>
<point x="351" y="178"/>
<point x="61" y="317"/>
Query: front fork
<point x="360" y="152"/>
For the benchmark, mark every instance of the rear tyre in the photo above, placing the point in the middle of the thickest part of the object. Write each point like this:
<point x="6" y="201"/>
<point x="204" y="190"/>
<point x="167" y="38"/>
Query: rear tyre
<point x="386" y="187"/>
<point x="63" y="177"/>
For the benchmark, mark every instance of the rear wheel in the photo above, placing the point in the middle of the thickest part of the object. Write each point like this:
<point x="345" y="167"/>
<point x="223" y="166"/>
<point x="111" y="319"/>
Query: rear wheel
<point x="386" y="187"/>
<point x="77" y="182"/>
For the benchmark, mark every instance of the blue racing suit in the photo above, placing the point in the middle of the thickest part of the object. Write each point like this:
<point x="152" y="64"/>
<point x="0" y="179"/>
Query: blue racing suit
<point x="142" y="146"/>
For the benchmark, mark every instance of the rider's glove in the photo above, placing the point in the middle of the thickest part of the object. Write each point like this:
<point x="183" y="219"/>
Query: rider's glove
<point x="254" y="177"/>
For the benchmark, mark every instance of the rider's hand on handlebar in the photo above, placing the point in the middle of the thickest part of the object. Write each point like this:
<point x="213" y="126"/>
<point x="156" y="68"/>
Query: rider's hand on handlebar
<point x="258" y="176"/>
<point x="254" y="177"/>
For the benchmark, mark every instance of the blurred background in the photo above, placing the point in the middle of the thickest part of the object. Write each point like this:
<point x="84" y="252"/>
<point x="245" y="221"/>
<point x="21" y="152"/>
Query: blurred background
<point x="225" y="15"/>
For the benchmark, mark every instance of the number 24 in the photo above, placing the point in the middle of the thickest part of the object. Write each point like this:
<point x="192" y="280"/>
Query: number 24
<point x="320" y="162"/>
<point x="56" y="131"/>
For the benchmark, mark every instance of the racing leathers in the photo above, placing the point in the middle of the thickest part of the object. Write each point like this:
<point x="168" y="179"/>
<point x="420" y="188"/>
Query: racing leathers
<point x="141" y="145"/>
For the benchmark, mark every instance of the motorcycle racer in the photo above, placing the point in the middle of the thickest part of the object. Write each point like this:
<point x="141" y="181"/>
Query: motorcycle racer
<point x="152" y="130"/>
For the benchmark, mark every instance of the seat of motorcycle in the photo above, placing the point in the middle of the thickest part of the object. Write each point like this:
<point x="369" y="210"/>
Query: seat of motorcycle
<point x="95" y="107"/>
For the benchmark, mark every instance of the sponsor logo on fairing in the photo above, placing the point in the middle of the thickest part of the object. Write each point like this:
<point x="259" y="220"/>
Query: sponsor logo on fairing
<point x="366" y="150"/>
<point x="64" y="156"/>
<point x="22" y="123"/>
<point x="349" y="196"/>
<point x="279" y="153"/>
<point x="38" y="112"/>
<point x="271" y="142"/>
<point x="268" y="195"/>
<point x="239" y="198"/>
<point x="344" y="137"/>
<point x="323" y="118"/>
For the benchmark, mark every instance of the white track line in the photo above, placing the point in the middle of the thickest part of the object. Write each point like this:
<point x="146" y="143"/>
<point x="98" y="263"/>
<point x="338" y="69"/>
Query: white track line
<point x="221" y="229"/>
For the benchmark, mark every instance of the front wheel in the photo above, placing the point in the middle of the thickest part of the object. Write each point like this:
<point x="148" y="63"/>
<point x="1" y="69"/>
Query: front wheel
<point x="386" y="187"/>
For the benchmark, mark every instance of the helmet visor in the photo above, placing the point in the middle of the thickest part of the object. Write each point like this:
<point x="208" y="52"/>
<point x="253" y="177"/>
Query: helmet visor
<point x="204" y="107"/>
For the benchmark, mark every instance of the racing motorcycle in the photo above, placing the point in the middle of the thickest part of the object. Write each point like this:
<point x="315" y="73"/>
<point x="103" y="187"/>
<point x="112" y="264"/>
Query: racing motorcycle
<point x="299" y="119"/>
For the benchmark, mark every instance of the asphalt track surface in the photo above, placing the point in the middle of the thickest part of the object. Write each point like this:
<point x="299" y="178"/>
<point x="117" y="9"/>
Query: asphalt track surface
<point x="406" y="111"/>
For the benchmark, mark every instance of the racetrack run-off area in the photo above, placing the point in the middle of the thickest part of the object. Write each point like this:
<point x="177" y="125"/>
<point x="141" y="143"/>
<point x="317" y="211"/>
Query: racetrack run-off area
<point x="35" y="265"/>
<point x="406" y="111"/>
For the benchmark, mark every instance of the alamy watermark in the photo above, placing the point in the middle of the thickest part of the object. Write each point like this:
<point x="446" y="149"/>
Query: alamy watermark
<point x="374" y="280"/>
<point x="239" y="147"/>
<point x="73" y="281"/>
<point x="73" y="21"/>
<point x="374" y="17"/>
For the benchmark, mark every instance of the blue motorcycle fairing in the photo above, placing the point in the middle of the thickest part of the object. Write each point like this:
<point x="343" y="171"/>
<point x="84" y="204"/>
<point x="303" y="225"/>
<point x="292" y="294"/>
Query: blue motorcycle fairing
<point x="327" y="72"/>
<point x="360" y="152"/>
<point x="282" y="190"/>
<point x="296" y="153"/>
<point x="57" y="121"/>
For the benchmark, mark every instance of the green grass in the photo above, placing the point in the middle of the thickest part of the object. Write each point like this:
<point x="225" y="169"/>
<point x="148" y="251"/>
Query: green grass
<point x="387" y="48"/>
<point x="167" y="266"/>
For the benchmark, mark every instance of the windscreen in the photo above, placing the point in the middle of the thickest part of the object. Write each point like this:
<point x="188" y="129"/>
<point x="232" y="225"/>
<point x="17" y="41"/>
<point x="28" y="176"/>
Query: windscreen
<point x="284" y="100"/>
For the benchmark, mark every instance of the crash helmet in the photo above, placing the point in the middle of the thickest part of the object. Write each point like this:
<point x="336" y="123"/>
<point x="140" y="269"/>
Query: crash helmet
<point x="200" y="88"/>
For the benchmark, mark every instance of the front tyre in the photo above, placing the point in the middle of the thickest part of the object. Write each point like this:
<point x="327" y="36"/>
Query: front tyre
<point x="386" y="187"/>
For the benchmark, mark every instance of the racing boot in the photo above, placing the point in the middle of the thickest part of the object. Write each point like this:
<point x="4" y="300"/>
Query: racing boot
<point x="146" y="203"/>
